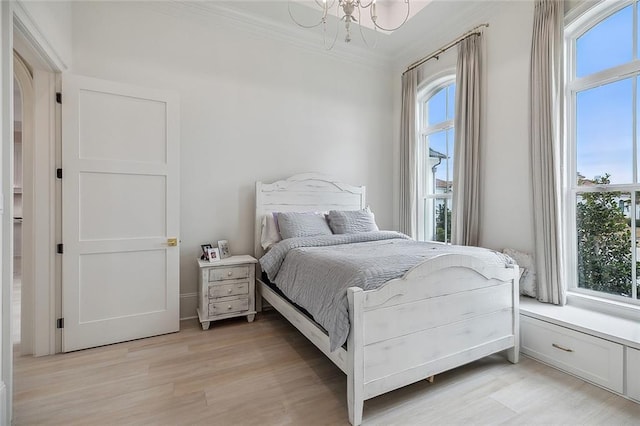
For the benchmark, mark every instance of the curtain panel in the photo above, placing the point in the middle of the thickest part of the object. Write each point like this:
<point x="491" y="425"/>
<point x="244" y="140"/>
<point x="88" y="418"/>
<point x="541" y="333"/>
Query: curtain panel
<point x="546" y="94"/>
<point x="408" y="147"/>
<point x="465" y="217"/>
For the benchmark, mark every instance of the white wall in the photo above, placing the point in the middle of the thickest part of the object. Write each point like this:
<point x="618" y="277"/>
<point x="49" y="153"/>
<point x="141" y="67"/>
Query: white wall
<point x="506" y="213"/>
<point x="252" y="109"/>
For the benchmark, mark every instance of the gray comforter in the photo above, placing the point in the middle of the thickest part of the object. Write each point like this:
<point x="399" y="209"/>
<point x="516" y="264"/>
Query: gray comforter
<point x="315" y="272"/>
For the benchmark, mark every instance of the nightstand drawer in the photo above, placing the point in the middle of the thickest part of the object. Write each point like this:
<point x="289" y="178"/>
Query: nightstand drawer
<point x="230" y="306"/>
<point x="230" y="273"/>
<point x="597" y="360"/>
<point x="231" y="289"/>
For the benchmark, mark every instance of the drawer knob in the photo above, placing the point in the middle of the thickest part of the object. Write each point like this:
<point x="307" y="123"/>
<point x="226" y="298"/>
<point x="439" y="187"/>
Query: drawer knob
<point x="555" y="345"/>
<point x="229" y="291"/>
<point x="229" y="307"/>
<point x="230" y="273"/>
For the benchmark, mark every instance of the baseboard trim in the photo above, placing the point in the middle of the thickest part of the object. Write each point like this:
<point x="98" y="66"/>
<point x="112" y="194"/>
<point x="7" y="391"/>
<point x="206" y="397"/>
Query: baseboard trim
<point x="188" y="305"/>
<point x="3" y="404"/>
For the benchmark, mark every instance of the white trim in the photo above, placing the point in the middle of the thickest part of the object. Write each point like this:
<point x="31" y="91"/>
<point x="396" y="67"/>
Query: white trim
<point x="6" y="111"/>
<point x="426" y="91"/>
<point x="25" y="23"/>
<point x="44" y="214"/>
<point x="3" y="402"/>
<point x="577" y="23"/>
<point x="611" y="307"/>
<point x="27" y="294"/>
<point x="580" y="18"/>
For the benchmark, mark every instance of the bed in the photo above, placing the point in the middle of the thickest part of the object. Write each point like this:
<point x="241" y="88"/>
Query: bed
<point x="444" y="312"/>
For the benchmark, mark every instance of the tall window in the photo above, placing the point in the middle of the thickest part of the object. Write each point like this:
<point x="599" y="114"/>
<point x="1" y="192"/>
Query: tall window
<point x="435" y="160"/>
<point x="603" y="152"/>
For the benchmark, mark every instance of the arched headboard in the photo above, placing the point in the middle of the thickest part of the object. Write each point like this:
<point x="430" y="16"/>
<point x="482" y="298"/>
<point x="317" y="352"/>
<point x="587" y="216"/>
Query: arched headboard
<point x="306" y="192"/>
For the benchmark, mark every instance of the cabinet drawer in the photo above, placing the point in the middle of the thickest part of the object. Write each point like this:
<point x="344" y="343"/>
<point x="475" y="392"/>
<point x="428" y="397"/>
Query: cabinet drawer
<point x="228" y="307"/>
<point x="230" y="273"/>
<point x="591" y="358"/>
<point x="633" y="373"/>
<point x="231" y="289"/>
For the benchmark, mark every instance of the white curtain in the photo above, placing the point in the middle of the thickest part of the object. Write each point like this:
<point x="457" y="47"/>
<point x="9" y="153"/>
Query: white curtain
<point x="408" y="153"/>
<point x="465" y="217"/>
<point x="545" y="132"/>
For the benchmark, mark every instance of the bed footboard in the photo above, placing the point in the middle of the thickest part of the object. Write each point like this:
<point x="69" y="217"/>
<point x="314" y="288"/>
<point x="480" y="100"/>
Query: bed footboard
<point x="444" y="313"/>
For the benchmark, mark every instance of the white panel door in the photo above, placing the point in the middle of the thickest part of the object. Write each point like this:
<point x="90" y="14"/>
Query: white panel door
<point x="120" y="197"/>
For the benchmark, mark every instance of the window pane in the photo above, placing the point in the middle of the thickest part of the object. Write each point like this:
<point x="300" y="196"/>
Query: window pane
<point x="442" y="220"/>
<point x="604" y="133"/>
<point x="604" y="242"/>
<point x="607" y="44"/>
<point x="437" y="107"/>
<point x="636" y="239"/>
<point x="451" y="101"/>
<point x="438" y="155"/>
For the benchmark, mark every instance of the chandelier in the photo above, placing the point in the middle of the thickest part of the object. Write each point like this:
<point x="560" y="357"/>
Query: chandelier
<point x="348" y="11"/>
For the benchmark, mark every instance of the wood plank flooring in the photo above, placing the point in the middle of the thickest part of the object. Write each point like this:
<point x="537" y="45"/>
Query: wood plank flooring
<point x="266" y="373"/>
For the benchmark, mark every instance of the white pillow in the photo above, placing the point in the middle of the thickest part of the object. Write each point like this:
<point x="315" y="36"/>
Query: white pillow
<point x="527" y="271"/>
<point x="270" y="233"/>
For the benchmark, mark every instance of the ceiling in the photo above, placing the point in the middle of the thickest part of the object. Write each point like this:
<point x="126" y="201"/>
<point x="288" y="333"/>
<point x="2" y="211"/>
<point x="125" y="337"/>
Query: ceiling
<point x="432" y="24"/>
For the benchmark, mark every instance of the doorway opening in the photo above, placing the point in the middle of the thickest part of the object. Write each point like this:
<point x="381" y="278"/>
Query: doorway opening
<point x="23" y="213"/>
<point x="17" y="210"/>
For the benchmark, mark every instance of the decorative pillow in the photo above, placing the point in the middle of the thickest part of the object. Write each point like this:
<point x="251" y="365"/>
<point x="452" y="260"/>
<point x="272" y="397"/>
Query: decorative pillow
<point x="527" y="271"/>
<point x="270" y="233"/>
<point x="307" y="224"/>
<point x="352" y="221"/>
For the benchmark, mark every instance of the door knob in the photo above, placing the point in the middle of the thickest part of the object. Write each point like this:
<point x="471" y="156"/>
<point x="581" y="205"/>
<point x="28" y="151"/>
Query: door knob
<point x="172" y="242"/>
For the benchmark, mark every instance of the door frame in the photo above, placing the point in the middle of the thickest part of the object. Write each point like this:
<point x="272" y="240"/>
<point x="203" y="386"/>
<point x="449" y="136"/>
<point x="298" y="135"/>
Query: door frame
<point x="16" y="25"/>
<point x="24" y="77"/>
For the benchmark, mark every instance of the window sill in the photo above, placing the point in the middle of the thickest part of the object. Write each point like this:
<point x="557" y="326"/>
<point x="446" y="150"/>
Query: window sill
<point x="606" y="306"/>
<point x="615" y="328"/>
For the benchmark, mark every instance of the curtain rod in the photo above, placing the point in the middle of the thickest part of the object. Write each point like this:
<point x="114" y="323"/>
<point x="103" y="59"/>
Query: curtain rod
<point x="445" y="48"/>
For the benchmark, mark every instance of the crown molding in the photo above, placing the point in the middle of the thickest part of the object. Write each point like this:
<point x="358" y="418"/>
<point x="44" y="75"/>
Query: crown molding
<point x="214" y="13"/>
<point x="29" y="29"/>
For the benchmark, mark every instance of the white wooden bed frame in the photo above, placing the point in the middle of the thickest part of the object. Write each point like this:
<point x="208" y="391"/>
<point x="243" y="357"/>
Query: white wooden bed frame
<point x="444" y="313"/>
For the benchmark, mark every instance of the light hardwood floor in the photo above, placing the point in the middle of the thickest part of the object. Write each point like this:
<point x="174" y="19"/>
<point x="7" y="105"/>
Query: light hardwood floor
<point x="265" y="373"/>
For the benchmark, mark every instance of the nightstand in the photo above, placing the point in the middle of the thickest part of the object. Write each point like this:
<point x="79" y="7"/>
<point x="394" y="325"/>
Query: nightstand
<point x="226" y="289"/>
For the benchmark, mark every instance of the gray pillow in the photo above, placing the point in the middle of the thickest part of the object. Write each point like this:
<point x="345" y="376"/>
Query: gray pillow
<point x="352" y="221"/>
<point x="528" y="285"/>
<point x="308" y="224"/>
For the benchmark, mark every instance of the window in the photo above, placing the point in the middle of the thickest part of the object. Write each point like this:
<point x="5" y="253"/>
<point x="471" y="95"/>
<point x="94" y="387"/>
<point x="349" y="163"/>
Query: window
<point x="602" y="208"/>
<point x="436" y="107"/>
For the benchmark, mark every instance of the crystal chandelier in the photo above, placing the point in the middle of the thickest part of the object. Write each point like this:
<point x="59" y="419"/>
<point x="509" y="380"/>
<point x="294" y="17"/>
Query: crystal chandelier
<point x="348" y="11"/>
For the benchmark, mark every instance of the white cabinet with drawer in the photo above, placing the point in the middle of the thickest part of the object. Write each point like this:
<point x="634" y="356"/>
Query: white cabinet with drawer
<point x="226" y="289"/>
<point x="597" y="360"/>
<point x="633" y="373"/>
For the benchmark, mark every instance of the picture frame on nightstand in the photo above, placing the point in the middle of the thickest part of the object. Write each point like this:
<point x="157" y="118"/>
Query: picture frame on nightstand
<point x="213" y="254"/>
<point x="223" y="246"/>
<point x="204" y="248"/>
